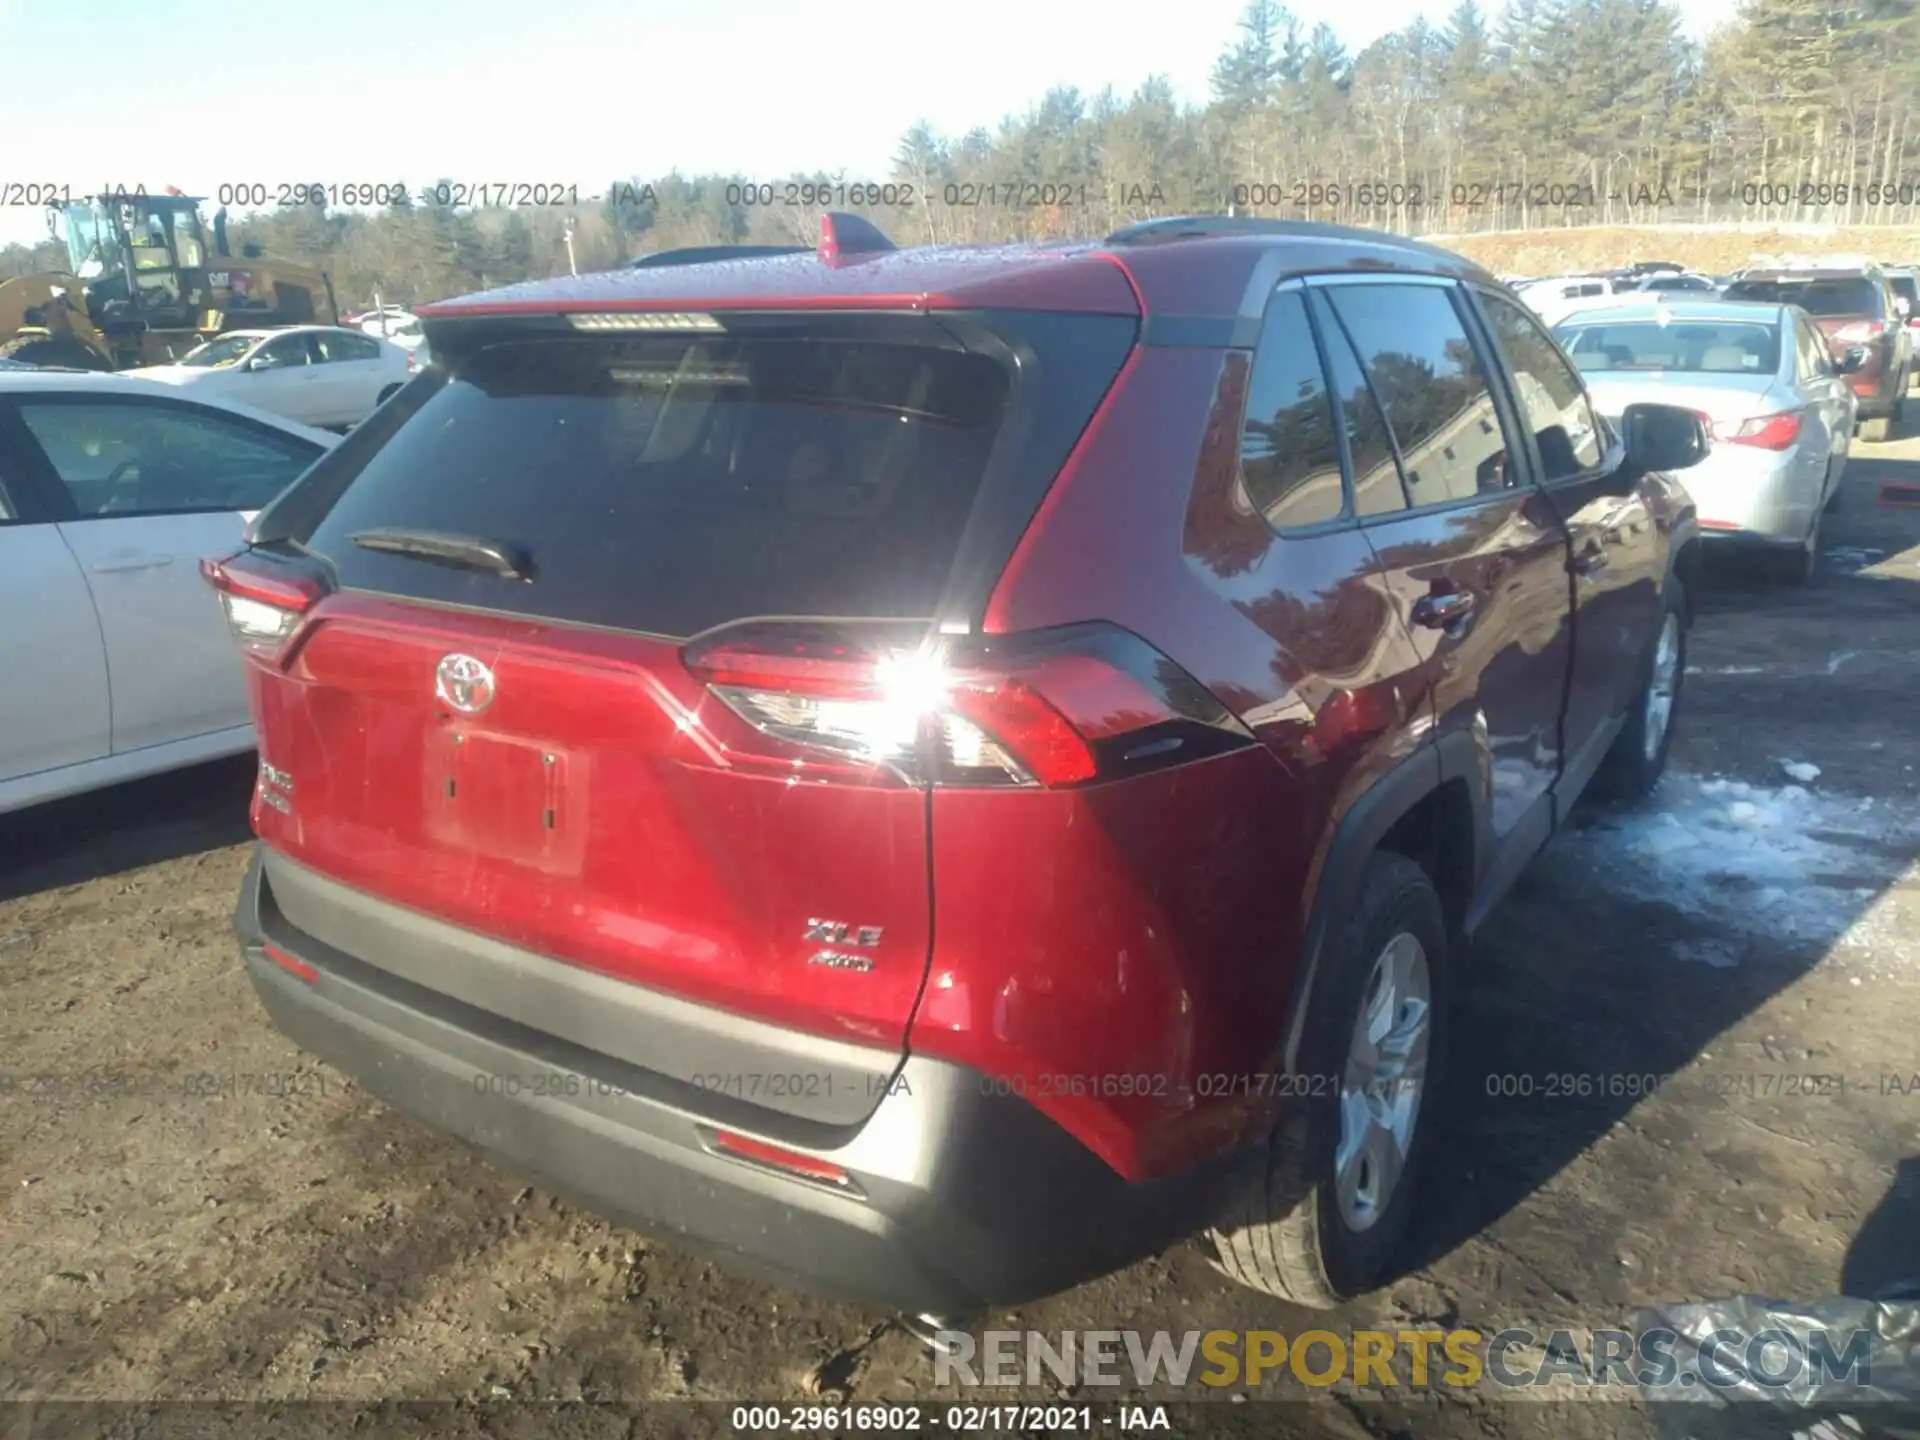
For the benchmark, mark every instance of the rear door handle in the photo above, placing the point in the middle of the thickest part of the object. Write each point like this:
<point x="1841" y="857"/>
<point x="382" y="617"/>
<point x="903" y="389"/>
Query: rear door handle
<point x="132" y="562"/>
<point x="1442" y="612"/>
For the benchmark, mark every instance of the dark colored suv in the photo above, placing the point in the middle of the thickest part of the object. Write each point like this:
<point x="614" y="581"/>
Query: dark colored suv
<point x="931" y="774"/>
<point x="1854" y="307"/>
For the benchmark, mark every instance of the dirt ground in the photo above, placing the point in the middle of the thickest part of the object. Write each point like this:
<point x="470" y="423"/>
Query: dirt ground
<point x="160" y="1245"/>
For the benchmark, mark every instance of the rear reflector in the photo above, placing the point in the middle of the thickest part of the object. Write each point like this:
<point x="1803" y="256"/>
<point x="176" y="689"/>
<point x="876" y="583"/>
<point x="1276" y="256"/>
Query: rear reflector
<point x="287" y="963"/>
<point x="1049" y="708"/>
<point x="1767" y="432"/>
<point x="263" y="610"/>
<point x="775" y="1157"/>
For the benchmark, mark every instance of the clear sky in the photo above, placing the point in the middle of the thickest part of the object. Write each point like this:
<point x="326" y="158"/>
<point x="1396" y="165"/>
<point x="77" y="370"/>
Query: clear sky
<point x="196" y="94"/>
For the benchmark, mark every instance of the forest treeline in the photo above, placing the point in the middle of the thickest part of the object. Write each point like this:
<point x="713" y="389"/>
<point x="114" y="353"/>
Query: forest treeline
<point x="1556" y="113"/>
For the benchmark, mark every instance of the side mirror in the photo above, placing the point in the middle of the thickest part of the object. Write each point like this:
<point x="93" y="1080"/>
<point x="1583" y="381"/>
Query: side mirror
<point x="1662" y="437"/>
<point x="258" y="362"/>
<point x="1852" y="360"/>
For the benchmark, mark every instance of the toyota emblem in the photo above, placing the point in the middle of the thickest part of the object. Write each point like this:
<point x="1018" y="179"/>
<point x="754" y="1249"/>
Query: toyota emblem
<point x="464" y="683"/>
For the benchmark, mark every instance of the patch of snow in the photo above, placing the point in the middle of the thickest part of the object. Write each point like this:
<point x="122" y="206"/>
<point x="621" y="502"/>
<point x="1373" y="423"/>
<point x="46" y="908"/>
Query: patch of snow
<point x="1803" y="771"/>
<point x="1834" y="662"/>
<point x="1726" y="670"/>
<point x="1752" y="859"/>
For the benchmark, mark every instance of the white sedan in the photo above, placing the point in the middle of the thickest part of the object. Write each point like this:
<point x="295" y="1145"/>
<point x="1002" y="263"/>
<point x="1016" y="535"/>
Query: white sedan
<point x="116" y="656"/>
<point x="317" y="374"/>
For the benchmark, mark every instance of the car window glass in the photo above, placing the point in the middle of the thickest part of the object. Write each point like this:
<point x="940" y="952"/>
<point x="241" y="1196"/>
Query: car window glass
<point x="1289" y="455"/>
<point x="1551" y="396"/>
<point x="283" y="351"/>
<point x="1816" y="362"/>
<point x="1860" y="296"/>
<point x="1425" y="373"/>
<point x="359" y="347"/>
<point x="1377" y="486"/>
<point x="115" y="458"/>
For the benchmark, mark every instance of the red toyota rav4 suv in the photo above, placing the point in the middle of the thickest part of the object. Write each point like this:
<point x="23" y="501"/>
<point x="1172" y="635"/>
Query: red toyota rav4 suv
<point x="934" y="773"/>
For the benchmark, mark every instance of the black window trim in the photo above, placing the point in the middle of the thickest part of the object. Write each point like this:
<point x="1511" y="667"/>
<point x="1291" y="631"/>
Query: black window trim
<point x="1613" y="452"/>
<point x="57" y="501"/>
<point x="1346" y="519"/>
<point x="1480" y="337"/>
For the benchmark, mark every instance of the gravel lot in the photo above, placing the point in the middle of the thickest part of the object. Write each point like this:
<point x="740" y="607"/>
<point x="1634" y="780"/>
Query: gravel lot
<point x="312" y="1245"/>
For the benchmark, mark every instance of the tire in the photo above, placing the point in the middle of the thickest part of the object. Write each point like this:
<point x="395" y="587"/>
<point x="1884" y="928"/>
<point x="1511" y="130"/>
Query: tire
<point x="57" y="351"/>
<point x="1290" y="1235"/>
<point x="386" y="395"/>
<point x="1633" y="767"/>
<point x="1797" y="566"/>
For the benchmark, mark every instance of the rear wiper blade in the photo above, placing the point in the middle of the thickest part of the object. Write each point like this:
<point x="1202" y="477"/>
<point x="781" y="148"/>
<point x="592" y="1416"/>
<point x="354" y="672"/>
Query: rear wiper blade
<point x="471" y="552"/>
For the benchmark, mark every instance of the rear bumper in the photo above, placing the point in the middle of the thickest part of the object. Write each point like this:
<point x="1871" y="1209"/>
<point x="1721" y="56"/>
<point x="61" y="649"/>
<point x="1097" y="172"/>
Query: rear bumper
<point x="1765" y="496"/>
<point x="967" y="1199"/>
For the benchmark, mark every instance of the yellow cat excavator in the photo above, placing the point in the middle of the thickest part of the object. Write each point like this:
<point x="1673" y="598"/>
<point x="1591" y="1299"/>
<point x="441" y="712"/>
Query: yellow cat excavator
<point x="144" y="285"/>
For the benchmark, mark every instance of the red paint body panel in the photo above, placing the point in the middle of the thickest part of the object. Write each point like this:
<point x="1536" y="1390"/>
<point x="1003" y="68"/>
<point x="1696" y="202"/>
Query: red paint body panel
<point x="1201" y="877"/>
<point x="676" y="856"/>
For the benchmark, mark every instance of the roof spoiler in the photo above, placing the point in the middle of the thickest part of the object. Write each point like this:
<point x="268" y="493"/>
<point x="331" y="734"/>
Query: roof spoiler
<point x="708" y="254"/>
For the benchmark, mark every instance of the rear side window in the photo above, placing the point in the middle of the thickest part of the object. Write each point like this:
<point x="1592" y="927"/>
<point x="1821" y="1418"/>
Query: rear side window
<point x="119" y="457"/>
<point x="671" y="484"/>
<point x="1427" y="377"/>
<point x="1903" y="286"/>
<point x="1377" y="488"/>
<point x="1289" y="455"/>
<point x="1845" y="296"/>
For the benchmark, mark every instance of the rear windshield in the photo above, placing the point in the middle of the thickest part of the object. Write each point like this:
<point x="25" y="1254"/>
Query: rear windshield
<point x="1706" y="348"/>
<point x="669" y="484"/>
<point x="1816" y="297"/>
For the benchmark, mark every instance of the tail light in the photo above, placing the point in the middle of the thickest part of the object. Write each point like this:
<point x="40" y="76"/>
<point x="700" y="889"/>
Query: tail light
<point x="1048" y="708"/>
<point x="263" y="610"/>
<point x="412" y="364"/>
<point x="1766" y="432"/>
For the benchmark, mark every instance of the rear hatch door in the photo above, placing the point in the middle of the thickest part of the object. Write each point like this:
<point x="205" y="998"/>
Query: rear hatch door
<point x="489" y="717"/>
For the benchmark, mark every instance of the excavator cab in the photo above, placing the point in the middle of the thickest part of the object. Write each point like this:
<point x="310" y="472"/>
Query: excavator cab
<point x="144" y="286"/>
<point x="144" y="262"/>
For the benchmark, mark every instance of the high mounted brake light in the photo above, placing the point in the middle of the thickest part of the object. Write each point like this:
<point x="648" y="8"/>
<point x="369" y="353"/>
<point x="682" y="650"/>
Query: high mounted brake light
<point x="642" y="320"/>
<point x="263" y="610"/>
<point x="1049" y="708"/>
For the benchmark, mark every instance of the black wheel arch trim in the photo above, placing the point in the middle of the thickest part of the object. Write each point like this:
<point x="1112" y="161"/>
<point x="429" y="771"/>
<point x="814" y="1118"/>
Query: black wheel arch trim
<point x="1357" y="835"/>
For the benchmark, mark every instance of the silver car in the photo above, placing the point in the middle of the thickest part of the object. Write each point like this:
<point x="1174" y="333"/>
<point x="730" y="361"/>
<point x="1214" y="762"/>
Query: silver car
<point x="1777" y="408"/>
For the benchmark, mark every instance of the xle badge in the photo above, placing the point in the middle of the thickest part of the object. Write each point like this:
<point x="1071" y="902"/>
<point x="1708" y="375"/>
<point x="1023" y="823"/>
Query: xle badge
<point x="837" y="932"/>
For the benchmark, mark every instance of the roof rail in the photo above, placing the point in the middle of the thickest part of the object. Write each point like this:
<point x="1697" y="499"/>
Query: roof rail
<point x="708" y="254"/>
